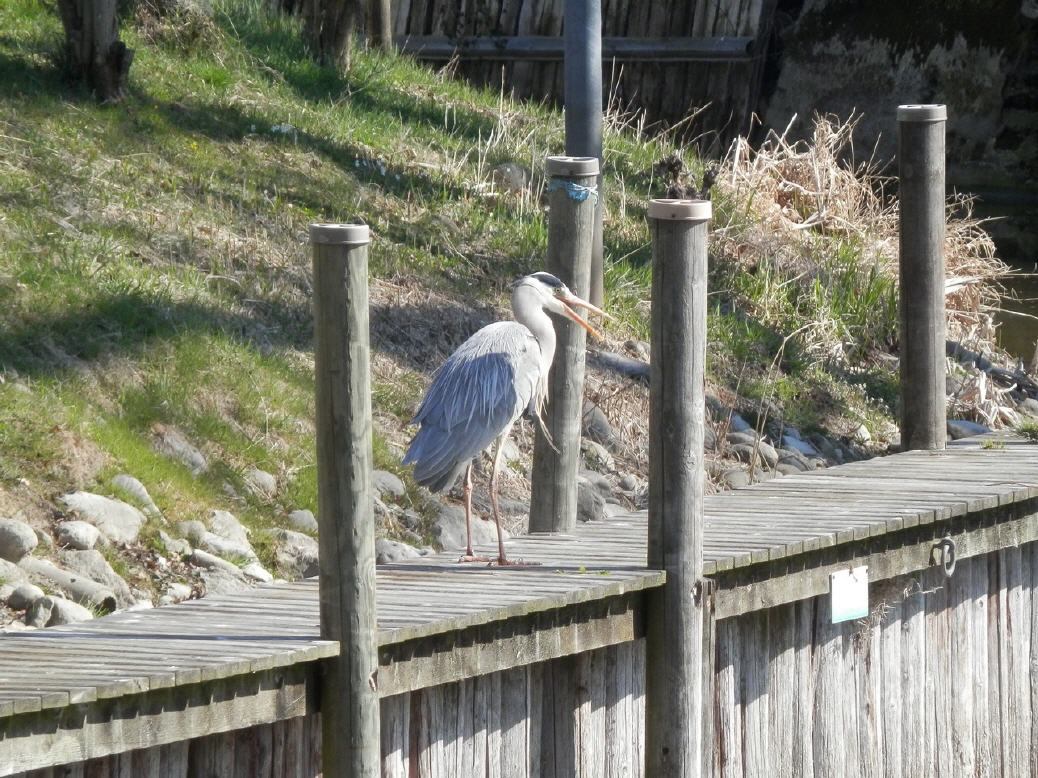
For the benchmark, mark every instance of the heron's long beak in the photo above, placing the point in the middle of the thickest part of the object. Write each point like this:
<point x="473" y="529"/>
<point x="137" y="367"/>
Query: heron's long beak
<point x="572" y="300"/>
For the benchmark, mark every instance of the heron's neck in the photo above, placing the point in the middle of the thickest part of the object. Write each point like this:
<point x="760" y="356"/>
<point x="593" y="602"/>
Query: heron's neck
<point x="526" y="306"/>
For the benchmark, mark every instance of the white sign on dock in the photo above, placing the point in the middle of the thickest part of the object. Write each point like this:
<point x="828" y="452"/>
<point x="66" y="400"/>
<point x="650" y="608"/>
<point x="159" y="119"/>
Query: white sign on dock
<point x="849" y="594"/>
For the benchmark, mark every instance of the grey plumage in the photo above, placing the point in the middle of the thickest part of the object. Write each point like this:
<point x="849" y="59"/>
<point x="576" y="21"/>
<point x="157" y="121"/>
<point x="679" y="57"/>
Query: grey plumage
<point x="482" y="389"/>
<point x="478" y="393"/>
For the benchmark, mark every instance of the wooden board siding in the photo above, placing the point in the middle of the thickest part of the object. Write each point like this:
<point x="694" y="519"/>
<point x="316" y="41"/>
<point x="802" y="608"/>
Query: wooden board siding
<point x="149" y="678"/>
<point x="668" y="93"/>
<point x="941" y="680"/>
<point x="577" y="717"/>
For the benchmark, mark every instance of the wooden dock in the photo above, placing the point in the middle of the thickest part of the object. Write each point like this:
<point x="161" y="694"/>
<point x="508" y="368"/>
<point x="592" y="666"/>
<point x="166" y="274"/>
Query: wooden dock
<point x="147" y="679"/>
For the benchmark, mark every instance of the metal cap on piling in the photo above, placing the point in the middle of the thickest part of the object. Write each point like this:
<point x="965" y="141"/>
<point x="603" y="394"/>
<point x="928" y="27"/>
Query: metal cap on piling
<point x="340" y="234"/>
<point x="922" y="113"/>
<point x="571" y="167"/>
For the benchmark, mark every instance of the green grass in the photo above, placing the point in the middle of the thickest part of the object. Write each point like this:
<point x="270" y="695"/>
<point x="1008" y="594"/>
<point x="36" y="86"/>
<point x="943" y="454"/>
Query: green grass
<point x="1028" y="429"/>
<point x="154" y="270"/>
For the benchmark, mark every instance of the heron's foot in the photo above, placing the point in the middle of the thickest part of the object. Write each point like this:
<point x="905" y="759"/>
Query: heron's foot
<point x="470" y="557"/>
<point x="502" y="562"/>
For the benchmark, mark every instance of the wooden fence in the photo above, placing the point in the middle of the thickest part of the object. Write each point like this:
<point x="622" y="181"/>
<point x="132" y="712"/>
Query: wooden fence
<point x="722" y="42"/>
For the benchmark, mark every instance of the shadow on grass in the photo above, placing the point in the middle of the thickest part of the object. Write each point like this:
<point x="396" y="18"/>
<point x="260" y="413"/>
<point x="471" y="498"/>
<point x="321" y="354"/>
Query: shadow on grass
<point x="280" y="47"/>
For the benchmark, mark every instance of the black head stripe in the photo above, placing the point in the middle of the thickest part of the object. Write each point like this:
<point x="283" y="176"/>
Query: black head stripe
<point x="548" y="280"/>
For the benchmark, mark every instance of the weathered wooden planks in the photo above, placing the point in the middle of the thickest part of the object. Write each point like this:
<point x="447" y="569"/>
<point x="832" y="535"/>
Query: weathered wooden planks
<point x="939" y="680"/>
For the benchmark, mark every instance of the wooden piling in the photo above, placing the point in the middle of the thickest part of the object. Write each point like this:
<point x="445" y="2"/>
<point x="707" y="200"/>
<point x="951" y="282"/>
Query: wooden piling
<point x="349" y="692"/>
<point x="582" y="94"/>
<point x="572" y="198"/>
<point x="922" y="337"/>
<point x="679" y="632"/>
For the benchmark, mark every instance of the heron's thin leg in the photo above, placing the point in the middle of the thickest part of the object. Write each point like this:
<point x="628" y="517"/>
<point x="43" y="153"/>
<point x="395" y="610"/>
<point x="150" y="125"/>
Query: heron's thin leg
<point x="468" y="510"/>
<point x="467" y="489"/>
<point x="498" y="448"/>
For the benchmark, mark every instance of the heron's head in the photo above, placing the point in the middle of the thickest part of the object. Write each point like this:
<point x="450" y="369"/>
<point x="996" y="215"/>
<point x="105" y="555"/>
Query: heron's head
<point x="555" y="297"/>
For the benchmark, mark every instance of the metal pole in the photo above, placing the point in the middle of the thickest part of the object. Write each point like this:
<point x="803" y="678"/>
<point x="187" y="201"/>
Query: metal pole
<point x="679" y="654"/>
<point x="349" y="692"/>
<point x="922" y="336"/>
<point x="582" y="31"/>
<point x="572" y="197"/>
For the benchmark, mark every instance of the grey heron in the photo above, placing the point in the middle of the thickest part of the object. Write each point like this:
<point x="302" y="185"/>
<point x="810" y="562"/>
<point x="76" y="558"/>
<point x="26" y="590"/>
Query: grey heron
<point x="483" y="388"/>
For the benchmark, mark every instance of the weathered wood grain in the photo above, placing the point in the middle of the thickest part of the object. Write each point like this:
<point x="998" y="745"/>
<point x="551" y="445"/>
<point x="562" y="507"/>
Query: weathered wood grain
<point x="345" y="495"/>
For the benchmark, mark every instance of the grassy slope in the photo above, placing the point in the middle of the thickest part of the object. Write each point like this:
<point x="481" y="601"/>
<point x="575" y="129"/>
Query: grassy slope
<point x="153" y="266"/>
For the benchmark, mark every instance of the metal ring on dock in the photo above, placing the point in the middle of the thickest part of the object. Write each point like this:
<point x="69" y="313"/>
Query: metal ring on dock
<point x="945" y="550"/>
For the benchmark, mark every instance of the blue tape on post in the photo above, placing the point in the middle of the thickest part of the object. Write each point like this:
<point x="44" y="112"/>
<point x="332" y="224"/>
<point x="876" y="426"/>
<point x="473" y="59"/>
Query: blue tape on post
<point x="574" y="192"/>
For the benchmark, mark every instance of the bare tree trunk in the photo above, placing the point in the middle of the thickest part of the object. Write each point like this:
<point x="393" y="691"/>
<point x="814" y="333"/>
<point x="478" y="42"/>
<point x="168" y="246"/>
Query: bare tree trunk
<point x="329" y="26"/>
<point x="95" y="53"/>
<point x="380" y="24"/>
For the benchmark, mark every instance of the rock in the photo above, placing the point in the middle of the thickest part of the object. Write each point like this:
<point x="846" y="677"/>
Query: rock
<point x="10" y="572"/>
<point x="303" y="520"/>
<point x="410" y="519"/>
<point x="135" y="489"/>
<point x="257" y="572"/>
<point x="600" y="482"/>
<point x="91" y="564"/>
<point x="825" y="446"/>
<point x="744" y="453"/>
<point x="510" y="451"/>
<point x="193" y="530"/>
<point x="5" y="591"/>
<point x="768" y="453"/>
<point x="118" y="522"/>
<point x="611" y="509"/>
<point x="861" y="434"/>
<point x="793" y="458"/>
<point x="596" y="426"/>
<point x="209" y="561"/>
<point x="596" y="456"/>
<point x="23" y="596"/>
<point x="387" y="551"/>
<point x="787" y="468"/>
<point x="44" y="538"/>
<point x="629" y="483"/>
<point x="227" y="526"/>
<point x="739" y="424"/>
<point x="228" y="549"/>
<point x="172" y="444"/>
<point x="744" y="438"/>
<point x="959" y="429"/>
<point x="16" y="539"/>
<point x="51" y="611"/>
<point x="449" y="529"/>
<point x="78" y="535"/>
<point x="709" y="438"/>
<point x="176" y="592"/>
<point x="513" y="507"/>
<point x="260" y="483"/>
<point x="141" y="605"/>
<point x="1028" y="407"/>
<point x="801" y="446"/>
<point x="221" y="581"/>
<point x="510" y="177"/>
<point x="380" y="508"/>
<point x="175" y="546"/>
<point x="736" y="479"/>
<point x="590" y="503"/>
<point x="388" y="483"/>
<point x="296" y="553"/>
